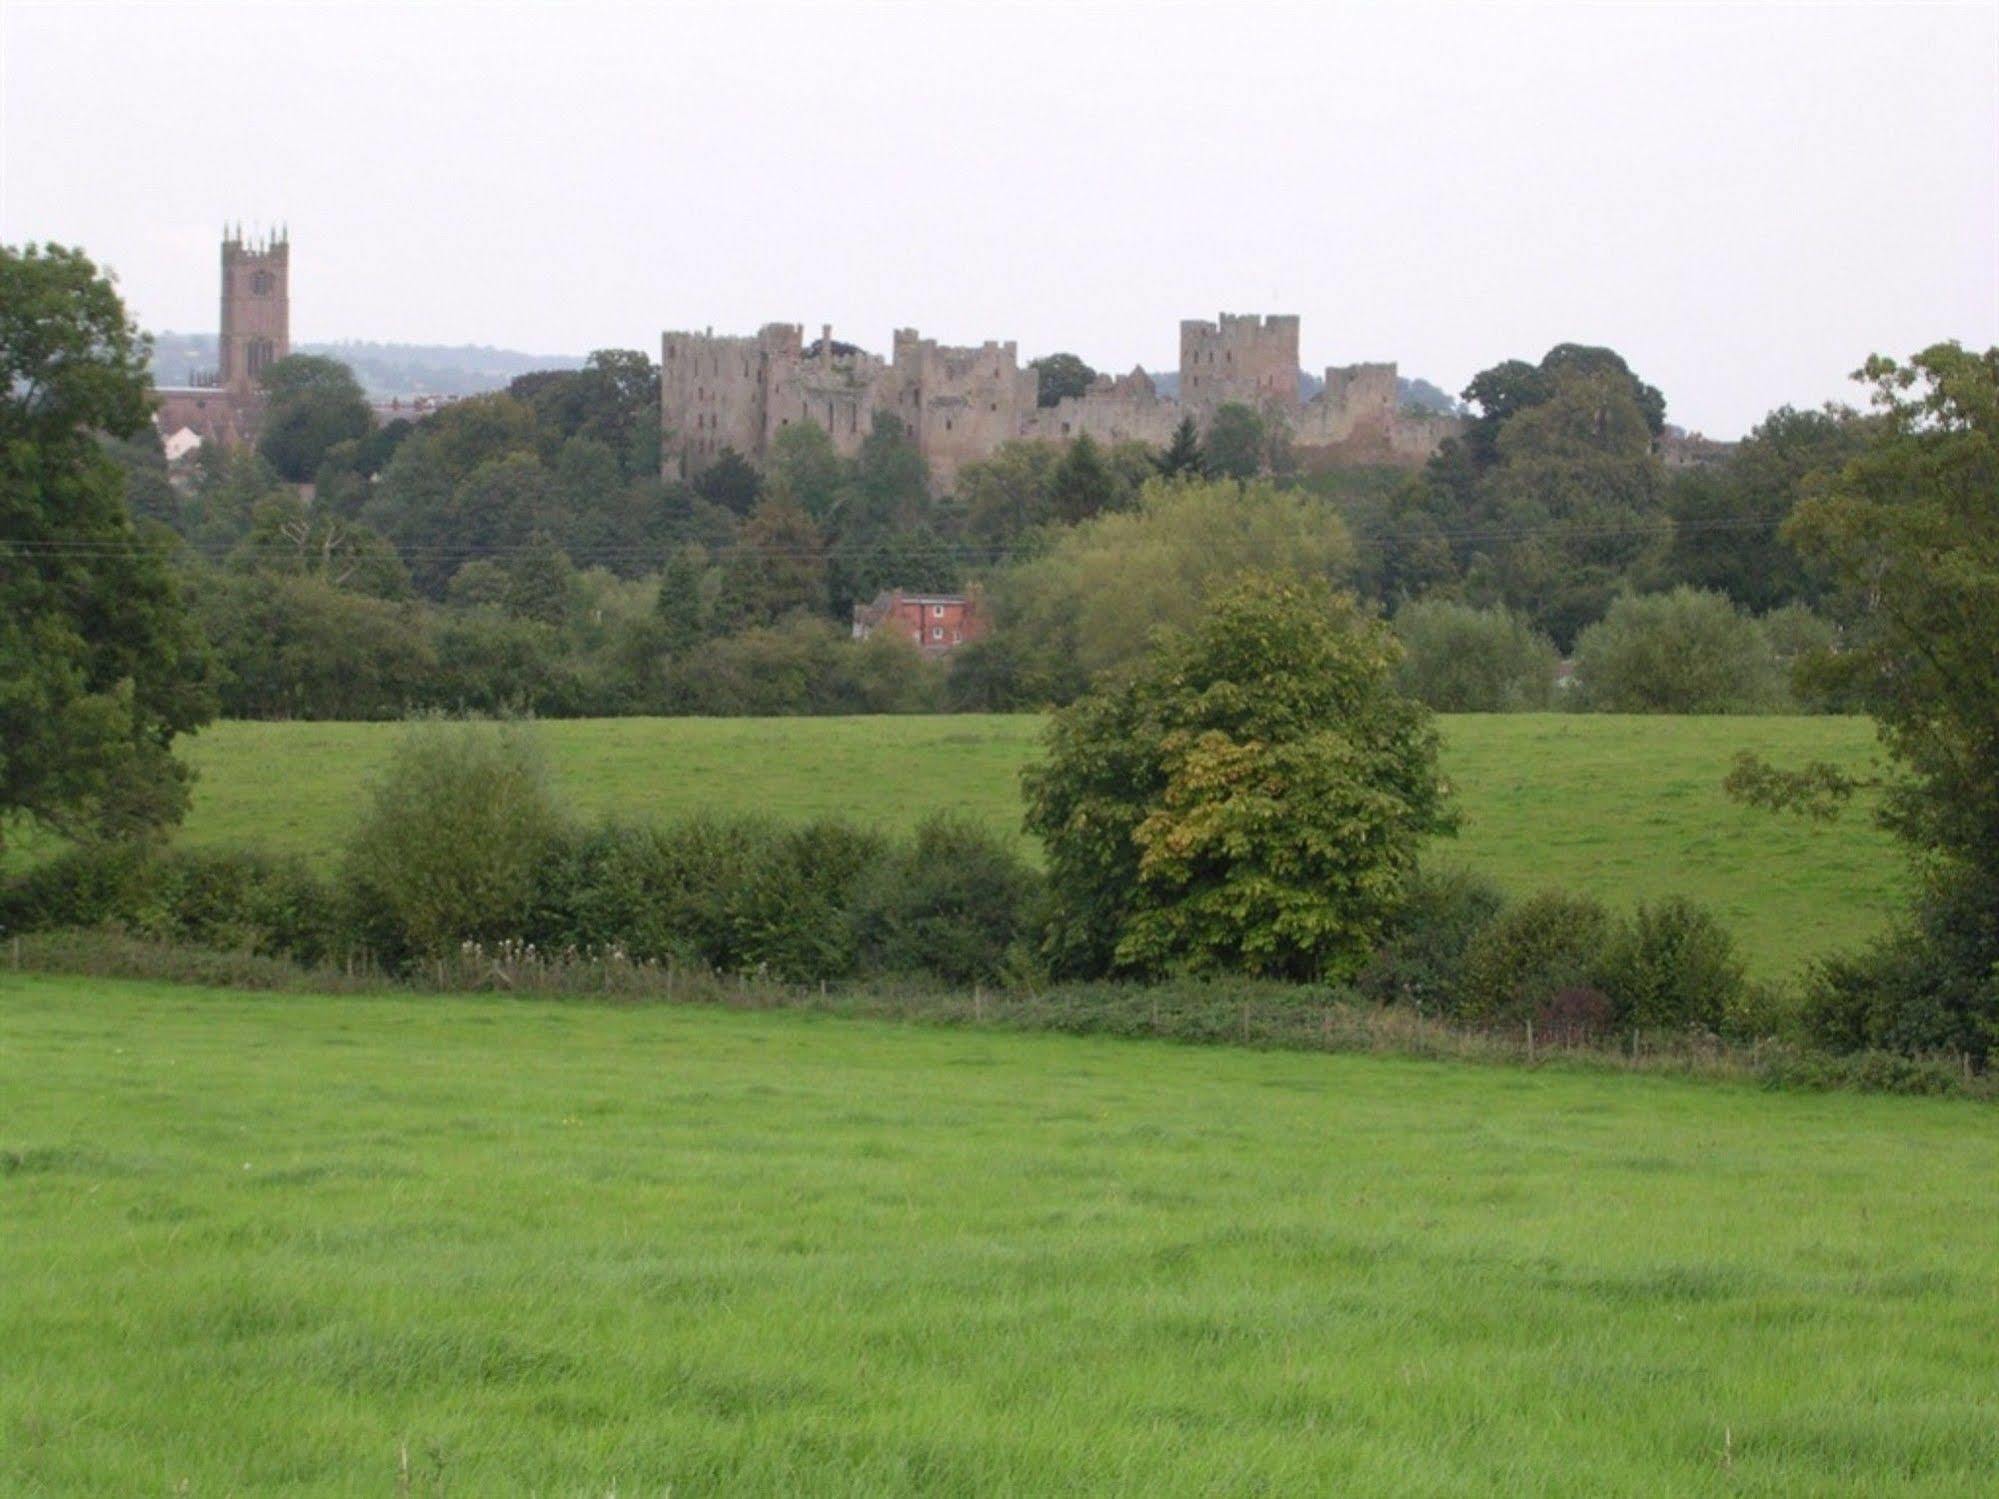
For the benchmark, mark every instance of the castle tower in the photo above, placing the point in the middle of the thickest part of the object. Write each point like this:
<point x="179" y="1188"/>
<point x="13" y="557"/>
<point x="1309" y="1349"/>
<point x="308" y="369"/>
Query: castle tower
<point x="1246" y="358"/>
<point x="256" y="308"/>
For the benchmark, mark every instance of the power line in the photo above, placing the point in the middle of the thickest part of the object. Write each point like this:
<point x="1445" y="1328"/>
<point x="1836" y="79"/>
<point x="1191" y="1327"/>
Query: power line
<point x="969" y="553"/>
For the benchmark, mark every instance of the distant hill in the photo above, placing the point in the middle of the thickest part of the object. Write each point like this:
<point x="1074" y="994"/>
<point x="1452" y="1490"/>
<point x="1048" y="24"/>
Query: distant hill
<point x="383" y="369"/>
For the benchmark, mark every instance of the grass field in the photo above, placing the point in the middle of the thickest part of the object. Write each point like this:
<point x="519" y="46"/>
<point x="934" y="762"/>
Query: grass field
<point x="261" y="1245"/>
<point x="1628" y="808"/>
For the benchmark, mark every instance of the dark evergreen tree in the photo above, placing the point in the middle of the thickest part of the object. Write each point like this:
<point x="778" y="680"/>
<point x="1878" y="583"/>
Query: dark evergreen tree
<point x="1083" y="484"/>
<point x="678" y="610"/>
<point x="1183" y="456"/>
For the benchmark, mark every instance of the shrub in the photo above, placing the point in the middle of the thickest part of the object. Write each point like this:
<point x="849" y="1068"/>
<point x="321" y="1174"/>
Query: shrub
<point x="953" y="902"/>
<point x="236" y="901"/>
<point x="228" y="900"/>
<point x="1930" y="985"/>
<point x="449" y="845"/>
<point x="1516" y="965"/>
<point x="1458" y="659"/>
<point x="739" y="895"/>
<point x="82" y="886"/>
<point x="1422" y="961"/>
<point x="1863" y="1072"/>
<point x="1251" y="799"/>
<point x="1687" y="651"/>
<point x="1673" y="965"/>
<point x="1093" y="599"/>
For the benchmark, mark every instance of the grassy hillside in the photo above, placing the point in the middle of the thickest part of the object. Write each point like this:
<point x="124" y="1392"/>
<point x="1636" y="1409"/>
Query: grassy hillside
<point x="1625" y="807"/>
<point x="263" y="1244"/>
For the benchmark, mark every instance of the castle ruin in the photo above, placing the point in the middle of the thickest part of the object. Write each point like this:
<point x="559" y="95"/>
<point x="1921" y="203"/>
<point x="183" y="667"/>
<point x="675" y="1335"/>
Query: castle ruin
<point x="730" y="393"/>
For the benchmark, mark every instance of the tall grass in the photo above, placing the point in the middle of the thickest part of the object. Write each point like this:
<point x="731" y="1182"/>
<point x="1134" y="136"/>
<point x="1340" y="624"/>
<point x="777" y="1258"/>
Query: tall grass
<point x="462" y="1245"/>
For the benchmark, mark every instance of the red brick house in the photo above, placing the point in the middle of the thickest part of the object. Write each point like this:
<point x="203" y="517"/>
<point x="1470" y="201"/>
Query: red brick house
<point x="933" y="622"/>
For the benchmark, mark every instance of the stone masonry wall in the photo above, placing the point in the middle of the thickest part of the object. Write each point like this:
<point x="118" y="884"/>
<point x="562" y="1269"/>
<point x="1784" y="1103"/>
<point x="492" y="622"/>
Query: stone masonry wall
<point x="960" y="403"/>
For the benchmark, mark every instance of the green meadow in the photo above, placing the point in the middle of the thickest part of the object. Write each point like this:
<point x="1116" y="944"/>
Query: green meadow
<point x="1625" y="807"/>
<point x="470" y="1245"/>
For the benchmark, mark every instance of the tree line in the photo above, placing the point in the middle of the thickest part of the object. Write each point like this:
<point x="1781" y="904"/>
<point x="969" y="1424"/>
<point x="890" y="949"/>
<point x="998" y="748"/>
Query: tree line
<point x="1242" y="787"/>
<point x="522" y="549"/>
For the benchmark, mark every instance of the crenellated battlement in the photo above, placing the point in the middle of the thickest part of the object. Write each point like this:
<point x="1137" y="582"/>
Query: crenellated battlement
<point x="960" y="402"/>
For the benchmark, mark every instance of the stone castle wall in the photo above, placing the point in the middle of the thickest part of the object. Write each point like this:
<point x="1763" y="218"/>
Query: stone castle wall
<point x="1250" y="359"/>
<point x="960" y="403"/>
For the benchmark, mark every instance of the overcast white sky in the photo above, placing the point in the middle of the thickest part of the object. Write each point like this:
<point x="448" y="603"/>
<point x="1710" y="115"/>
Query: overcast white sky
<point x="1743" y="199"/>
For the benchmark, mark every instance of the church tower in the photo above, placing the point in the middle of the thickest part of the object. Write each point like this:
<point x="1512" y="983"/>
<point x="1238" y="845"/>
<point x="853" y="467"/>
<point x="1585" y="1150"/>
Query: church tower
<point x="256" y="308"/>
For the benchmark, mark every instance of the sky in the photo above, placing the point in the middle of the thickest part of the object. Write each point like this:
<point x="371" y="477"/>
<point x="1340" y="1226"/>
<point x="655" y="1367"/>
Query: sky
<point x="1743" y="199"/>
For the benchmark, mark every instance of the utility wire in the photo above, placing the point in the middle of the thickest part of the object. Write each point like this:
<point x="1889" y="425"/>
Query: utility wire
<point x="971" y="553"/>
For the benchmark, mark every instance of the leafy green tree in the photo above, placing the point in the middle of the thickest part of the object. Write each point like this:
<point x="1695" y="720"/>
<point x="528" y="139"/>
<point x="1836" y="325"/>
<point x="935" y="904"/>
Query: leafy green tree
<point x="451" y="838"/>
<point x="1251" y="799"/>
<point x="149" y="492"/>
<point x="884" y="529"/>
<point x="807" y="469"/>
<point x="1909" y="537"/>
<point x="886" y="673"/>
<point x="468" y="480"/>
<point x="1728" y="520"/>
<point x="612" y="401"/>
<point x="480" y="584"/>
<point x="1572" y="506"/>
<point x="1551" y="499"/>
<point x="1499" y="394"/>
<point x="477" y="430"/>
<point x="488" y="661"/>
<point x="730" y="482"/>
<point x="295" y="645"/>
<point x="1458" y="659"/>
<point x="493" y="509"/>
<point x="1060" y="375"/>
<point x="289" y="537"/>
<point x="1183" y="456"/>
<point x="312" y="404"/>
<point x="1001" y="498"/>
<point x="541" y="582"/>
<point x="680" y="610"/>
<point x="100" y="664"/>
<point x="1091" y="601"/>
<point x="1082" y="485"/>
<point x="1679" y="652"/>
<point x="778" y="568"/>
<point x="891" y="486"/>
<point x="230" y="486"/>
<point x="1238" y="438"/>
<point x="791" y="666"/>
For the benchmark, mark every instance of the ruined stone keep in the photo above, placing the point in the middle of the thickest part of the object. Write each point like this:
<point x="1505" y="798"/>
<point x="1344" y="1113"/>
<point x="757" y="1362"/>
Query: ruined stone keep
<point x="735" y="393"/>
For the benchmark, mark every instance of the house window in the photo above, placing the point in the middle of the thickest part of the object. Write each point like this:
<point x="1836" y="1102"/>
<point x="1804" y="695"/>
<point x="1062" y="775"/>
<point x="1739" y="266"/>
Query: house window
<point x="936" y="611"/>
<point x="936" y="632"/>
